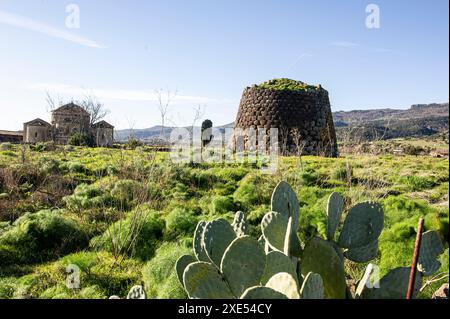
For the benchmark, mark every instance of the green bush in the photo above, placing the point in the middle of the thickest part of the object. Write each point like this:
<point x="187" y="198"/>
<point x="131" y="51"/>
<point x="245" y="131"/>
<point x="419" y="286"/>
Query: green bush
<point x="7" y="287"/>
<point x="253" y="190"/>
<point x="89" y="196"/>
<point x="101" y="275"/>
<point x="342" y="173"/>
<point x="418" y="183"/>
<point x="138" y="235"/>
<point x="41" y="236"/>
<point x="159" y="274"/>
<point x="129" y="192"/>
<point x="81" y="139"/>
<point x="6" y="146"/>
<point x="222" y="205"/>
<point x="181" y="221"/>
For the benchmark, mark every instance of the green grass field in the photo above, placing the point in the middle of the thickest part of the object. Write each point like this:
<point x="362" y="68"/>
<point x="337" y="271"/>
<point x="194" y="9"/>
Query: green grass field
<point x="125" y="216"/>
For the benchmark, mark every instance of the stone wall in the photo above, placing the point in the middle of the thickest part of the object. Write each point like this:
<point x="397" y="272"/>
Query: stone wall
<point x="303" y="118"/>
<point x="67" y="123"/>
<point x="104" y="136"/>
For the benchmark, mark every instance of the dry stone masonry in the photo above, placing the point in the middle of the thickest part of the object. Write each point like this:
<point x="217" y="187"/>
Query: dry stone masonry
<point x="301" y="112"/>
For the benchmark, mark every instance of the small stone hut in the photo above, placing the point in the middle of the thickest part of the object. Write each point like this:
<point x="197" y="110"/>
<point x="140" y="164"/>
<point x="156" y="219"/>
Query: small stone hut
<point x="300" y="112"/>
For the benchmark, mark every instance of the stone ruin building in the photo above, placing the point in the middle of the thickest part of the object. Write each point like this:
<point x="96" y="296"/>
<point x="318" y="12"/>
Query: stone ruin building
<point x="301" y="112"/>
<point x="68" y="120"/>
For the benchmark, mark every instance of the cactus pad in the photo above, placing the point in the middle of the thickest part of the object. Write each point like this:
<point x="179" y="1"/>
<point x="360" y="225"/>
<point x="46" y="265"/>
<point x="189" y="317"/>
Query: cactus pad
<point x="277" y="262"/>
<point x="262" y="293"/>
<point x="312" y="287"/>
<point x="362" y="254"/>
<point x="199" y="249"/>
<point x="217" y="236"/>
<point x="284" y="283"/>
<point x="137" y="292"/>
<point x="285" y="202"/>
<point x="362" y="226"/>
<point x="321" y="258"/>
<point x="240" y="224"/>
<point x="181" y="265"/>
<point x="395" y="285"/>
<point x="335" y="206"/>
<point x="274" y="226"/>
<point x="243" y="264"/>
<point x="203" y="281"/>
<point x="430" y="248"/>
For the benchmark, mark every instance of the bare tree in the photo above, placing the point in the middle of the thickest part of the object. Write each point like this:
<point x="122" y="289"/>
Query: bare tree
<point x="53" y="102"/>
<point x="164" y="97"/>
<point x="95" y="108"/>
<point x="90" y="103"/>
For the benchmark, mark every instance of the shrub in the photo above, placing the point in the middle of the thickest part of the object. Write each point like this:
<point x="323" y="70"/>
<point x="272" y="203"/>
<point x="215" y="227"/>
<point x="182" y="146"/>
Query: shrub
<point x="159" y="274"/>
<point x="6" y="146"/>
<point x="7" y="287"/>
<point x="342" y="173"/>
<point x="133" y="143"/>
<point x="41" y="236"/>
<point x="81" y="139"/>
<point x="253" y="190"/>
<point x="89" y="196"/>
<point x="222" y="205"/>
<point x="101" y="275"/>
<point x="181" y="221"/>
<point x="418" y="183"/>
<point x="138" y="235"/>
<point x="129" y="192"/>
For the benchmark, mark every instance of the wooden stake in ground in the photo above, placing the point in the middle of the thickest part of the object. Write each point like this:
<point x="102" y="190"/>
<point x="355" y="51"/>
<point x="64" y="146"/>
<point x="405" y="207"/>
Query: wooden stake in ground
<point x="412" y="275"/>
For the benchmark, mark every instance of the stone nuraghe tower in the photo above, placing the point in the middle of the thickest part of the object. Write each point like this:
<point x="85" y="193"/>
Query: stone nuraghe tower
<point x="301" y="112"/>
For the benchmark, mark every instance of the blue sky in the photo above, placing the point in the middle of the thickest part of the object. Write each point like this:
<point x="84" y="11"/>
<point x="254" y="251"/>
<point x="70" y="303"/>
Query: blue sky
<point x="209" y="51"/>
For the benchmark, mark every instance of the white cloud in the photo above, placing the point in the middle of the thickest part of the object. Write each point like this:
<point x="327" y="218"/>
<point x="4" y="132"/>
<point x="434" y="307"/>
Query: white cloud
<point x="344" y="44"/>
<point x="32" y="25"/>
<point x="118" y="94"/>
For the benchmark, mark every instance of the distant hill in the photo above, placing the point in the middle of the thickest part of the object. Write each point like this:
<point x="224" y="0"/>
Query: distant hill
<point x="367" y="125"/>
<point x="419" y="120"/>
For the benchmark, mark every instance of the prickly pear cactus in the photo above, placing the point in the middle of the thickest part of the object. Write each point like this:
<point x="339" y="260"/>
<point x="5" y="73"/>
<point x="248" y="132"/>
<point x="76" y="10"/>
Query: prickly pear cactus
<point x="335" y="207"/>
<point x="284" y="283"/>
<point x="260" y="292"/>
<point x="217" y="236"/>
<point x="240" y="224"/>
<point x="274" y="226"/>
<point x="394" y="285"/>
<point x="199" y="248"/>
<point x="362" y="254"/>
<point x="285" y="202"/>
<point x="243" y="264"/>
<point x="312" y="287"/>
<point x="181" y="265"/>
<point x="277" y="262"/>
<point x="321" y="258"/>
<point x="430" y="248"/>
<point x="137" y="292"/>
<point x="203" y="281"/>
<point x="362" y="226"/>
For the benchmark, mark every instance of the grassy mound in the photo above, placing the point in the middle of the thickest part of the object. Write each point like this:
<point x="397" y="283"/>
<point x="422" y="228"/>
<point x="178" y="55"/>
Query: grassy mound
<point x="284" y="84"/>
